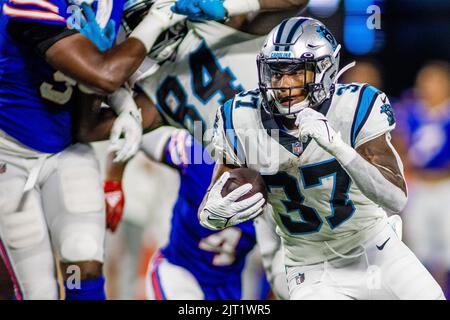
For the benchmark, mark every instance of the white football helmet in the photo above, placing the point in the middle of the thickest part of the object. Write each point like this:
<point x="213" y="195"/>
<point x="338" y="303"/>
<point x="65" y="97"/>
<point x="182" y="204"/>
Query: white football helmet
<point x="295" y="44"/>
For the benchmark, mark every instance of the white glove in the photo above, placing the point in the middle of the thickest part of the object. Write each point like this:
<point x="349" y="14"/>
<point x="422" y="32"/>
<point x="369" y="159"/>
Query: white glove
<point x="313" y="124"/>
<point x="160" y="10"/>
<point x="157" y="20"/>
<point x="128" y="123"/>
<point x="221" y="212"/>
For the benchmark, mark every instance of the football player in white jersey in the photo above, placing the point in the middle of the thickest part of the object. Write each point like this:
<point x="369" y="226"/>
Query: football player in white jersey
<point x="324" y="152"/>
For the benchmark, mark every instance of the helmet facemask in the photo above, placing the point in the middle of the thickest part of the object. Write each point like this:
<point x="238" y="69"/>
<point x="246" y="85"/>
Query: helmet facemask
<point x="286" y="83"/>
<point x="314" y="88"/>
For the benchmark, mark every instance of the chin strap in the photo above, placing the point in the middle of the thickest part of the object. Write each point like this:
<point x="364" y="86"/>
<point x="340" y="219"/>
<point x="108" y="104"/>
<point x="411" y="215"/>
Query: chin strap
<point x="344" y="69"/>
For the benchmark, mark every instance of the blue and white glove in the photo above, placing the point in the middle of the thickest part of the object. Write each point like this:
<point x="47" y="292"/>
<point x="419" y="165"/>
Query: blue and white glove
<point x="218" y="10"/>
<point x="102" y="38"/>
<point x="187" y="8"/>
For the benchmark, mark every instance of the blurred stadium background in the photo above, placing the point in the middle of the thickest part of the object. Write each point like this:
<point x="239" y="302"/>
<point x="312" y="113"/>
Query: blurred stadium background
<point x="407" y="55"/>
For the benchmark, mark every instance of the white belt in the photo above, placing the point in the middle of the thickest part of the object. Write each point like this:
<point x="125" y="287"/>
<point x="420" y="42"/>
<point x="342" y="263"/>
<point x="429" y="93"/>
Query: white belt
<point x="34" y="173"/>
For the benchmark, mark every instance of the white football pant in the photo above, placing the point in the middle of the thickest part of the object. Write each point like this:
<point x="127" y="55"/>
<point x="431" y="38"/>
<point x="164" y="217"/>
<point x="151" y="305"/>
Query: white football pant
<point x="382" y="268"/>
<point x="62" y="213"/>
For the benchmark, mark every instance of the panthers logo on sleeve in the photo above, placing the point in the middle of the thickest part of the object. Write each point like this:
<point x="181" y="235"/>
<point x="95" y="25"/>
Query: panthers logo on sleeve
<point x="389" y="111"/>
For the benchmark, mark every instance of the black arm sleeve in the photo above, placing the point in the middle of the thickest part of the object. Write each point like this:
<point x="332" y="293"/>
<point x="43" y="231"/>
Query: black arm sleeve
<point x="38" y="35"/>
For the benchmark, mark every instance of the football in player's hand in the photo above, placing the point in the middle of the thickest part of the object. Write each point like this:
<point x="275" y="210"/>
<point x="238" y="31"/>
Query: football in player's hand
<point x="241" y="176"/>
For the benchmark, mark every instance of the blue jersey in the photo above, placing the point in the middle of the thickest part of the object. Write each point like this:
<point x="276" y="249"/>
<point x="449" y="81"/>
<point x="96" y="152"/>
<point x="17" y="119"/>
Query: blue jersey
<point x="427" y="134"/>
<point x="213" y="257"/>
<point x="35" y="99"/>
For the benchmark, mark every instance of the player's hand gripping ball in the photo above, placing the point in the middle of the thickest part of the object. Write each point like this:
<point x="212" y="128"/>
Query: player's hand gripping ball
<point x="241" y="176"/>
<point x="234" y="201"/>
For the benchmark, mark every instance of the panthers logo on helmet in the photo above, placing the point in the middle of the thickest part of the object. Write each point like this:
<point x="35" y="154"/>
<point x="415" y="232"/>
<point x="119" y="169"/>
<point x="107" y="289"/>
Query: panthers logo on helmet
<point x="327" y="35"/>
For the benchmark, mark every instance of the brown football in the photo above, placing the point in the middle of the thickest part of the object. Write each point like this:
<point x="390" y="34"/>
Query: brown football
<point x="241" y="176"/>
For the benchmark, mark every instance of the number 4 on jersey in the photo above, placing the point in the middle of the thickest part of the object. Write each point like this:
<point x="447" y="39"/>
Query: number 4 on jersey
<point x="209" y="78"/>
<point x="223" y="244"/>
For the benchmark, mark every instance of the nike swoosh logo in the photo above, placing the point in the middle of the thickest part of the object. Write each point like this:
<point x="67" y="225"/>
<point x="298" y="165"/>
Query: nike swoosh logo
<point x="384" y="243"/>
<point x="313" y="46"/>
<point x="219" y="219"/>
<point x="213" y="219"/>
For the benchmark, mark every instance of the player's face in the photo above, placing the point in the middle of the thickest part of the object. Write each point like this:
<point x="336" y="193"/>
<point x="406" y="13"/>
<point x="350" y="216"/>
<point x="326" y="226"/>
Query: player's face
<point x="291" y="85"/>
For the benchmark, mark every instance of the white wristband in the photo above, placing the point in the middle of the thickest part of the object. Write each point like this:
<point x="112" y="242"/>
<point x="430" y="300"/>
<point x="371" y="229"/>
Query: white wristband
<point x="341" y="151"/>
<point x="122" y="100"/>
<point x="238" y="7"/>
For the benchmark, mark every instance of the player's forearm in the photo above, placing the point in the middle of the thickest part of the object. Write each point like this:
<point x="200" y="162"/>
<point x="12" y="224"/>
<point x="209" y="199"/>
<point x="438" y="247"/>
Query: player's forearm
<point x="375" y="186"/>
<point x="89" y="120"/>
<point x="120" y="63"/>
<point x="151" y="118"/>
<point x="236" y="8"/>
<point x="78" y="58"/>
<point x="114" y="170"/>
<point x="271" y="12"/>
<point x="99" y="129"/>
<point x="282" y="4"/>
<point x="370" y="180"/>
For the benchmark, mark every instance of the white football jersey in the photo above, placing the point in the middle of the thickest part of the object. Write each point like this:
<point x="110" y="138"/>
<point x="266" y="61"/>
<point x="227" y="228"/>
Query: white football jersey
<point x="316" y="205"/>
<point x="212" y="64"/>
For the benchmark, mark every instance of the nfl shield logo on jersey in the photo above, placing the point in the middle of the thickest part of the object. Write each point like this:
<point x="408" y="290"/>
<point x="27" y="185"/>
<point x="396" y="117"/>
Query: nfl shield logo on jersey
<point x="300" y="278"/>
<point x="297" y="148"/>
<point x="2" y="168"/>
